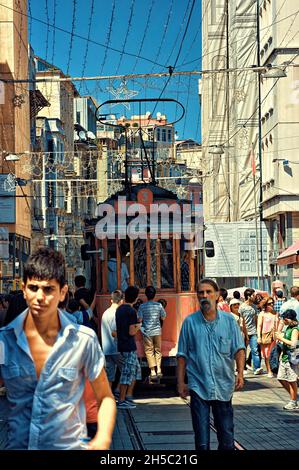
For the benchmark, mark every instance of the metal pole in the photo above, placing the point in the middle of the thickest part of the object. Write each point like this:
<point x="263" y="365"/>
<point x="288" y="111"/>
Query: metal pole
<point x="256" y="232"/>
<point x="260" y="138"/>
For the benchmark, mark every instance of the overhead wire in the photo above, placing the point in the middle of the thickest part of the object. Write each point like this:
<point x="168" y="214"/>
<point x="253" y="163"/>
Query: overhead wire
<point x="178" y="55"/>
<point x="48" y="29"/>
<point x="149" y="15"/>
<point x="91" y="15"/>
<point x="161" y="42"/>
<point x="79" y="36"/>
<point x="126" y="35"/>
<point x="234" y="42"/>
<point x="72" y="36"/>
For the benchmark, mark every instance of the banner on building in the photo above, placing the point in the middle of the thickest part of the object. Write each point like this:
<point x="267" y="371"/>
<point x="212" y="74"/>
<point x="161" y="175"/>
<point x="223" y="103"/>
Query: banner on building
<point x="7" y="200"/>
<point x="4" y="243"/>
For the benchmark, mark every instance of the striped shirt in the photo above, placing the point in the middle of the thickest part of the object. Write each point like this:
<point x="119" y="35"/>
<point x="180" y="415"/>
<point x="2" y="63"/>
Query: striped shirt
<point x="151" y="312"/>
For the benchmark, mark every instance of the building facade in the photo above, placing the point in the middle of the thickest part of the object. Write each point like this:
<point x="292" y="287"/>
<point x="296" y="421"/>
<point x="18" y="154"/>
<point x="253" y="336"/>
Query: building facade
<point x="15" y="203"/>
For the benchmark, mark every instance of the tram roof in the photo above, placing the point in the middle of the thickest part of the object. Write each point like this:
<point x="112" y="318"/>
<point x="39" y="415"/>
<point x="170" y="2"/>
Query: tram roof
<point x="159" y="193"/>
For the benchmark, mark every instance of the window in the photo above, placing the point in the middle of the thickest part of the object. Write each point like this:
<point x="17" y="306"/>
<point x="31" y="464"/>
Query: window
<point x="158" y="135"/>
<point x="169" y="133"/>
<point x="163" y="135"/>
<point x="78" y="117"/>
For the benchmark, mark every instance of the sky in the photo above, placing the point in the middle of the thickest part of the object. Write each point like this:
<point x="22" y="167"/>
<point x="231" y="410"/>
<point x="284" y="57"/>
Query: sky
<point x="151" y="29"/>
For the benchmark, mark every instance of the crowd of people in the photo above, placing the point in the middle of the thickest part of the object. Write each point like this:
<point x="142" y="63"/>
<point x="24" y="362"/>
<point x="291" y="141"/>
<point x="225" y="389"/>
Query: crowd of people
<point x="269" y="325"/>
<point x="53" y="364"/>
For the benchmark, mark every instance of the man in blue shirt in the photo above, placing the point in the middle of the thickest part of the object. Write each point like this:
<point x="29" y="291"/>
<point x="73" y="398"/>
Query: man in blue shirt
<point x="209" y="344"/>
<point x="45" y="360"/>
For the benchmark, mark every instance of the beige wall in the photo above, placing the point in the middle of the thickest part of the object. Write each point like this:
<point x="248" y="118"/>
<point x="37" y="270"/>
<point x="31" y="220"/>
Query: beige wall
<point x="61" y="97"/>
<point x="280" y="110"/>
<point x="14" y="121"/>
<point x="229" y="102"/>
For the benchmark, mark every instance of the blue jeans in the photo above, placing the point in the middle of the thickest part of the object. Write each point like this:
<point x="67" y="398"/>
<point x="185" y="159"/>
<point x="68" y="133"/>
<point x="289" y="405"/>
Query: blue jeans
<point x="253" y="344"/>
<point x="223" y="422"/>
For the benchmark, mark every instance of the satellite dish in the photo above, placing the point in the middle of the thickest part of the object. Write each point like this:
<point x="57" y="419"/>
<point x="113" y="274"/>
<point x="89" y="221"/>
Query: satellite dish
<point x="159" y="116"/>
<point x="147" y="113"/>
<point x="90" y="135"/>
<point x="82" y="135"/>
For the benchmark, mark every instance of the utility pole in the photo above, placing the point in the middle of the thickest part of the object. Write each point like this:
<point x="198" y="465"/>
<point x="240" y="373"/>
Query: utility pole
<point x="260" y="138"/>
<point x="227" y="113"/>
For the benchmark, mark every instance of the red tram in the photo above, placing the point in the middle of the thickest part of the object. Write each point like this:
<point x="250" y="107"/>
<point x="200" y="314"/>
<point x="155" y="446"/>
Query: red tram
<point x="153" y="257"/>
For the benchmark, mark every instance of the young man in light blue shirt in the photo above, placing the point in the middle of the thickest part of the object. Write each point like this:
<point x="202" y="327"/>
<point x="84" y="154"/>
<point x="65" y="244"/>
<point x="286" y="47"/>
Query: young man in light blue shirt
<point x="45" y="360"/>
<point x="209" y="344"/>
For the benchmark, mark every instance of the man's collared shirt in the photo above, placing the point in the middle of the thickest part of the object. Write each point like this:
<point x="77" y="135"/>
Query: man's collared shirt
<point x="48" y="413"/>
<point x="209" y="348"/>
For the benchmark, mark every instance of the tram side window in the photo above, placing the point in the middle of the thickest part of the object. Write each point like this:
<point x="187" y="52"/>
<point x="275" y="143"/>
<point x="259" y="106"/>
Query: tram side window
<point x="140" y="263"/>
<point x="153" y="263"/>
<point x="167" y="281"/>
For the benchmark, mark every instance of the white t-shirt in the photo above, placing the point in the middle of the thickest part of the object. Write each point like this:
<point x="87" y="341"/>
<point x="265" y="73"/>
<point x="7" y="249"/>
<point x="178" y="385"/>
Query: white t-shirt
<point x="108" y="324"/>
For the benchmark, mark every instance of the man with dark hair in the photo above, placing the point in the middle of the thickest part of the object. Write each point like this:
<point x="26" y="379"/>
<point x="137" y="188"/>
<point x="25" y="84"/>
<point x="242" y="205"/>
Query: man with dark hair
<point x="150" y="313"/>
<point x="82" y="294"/>
<point x="236" y="295"/>
<point x="222" y="303"/>
<point x="279" y="300"/>
<point x="249" y="312"/>
<point x="210" y="342"/>
<point x="126" y="328"/>
<point x="45" y="360"/>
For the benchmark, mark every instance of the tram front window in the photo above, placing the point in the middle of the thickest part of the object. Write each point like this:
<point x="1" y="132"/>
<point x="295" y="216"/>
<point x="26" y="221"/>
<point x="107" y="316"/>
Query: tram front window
<point x="166" y="255"/>
<point x="140" y="263"/>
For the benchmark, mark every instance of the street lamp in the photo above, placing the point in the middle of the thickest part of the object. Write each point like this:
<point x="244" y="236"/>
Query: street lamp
<point x="12" y="158"/>
<point x="216" y="149"/>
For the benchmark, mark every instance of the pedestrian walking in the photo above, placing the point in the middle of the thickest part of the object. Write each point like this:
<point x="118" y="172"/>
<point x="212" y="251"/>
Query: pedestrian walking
<point x="288" y="370"/>
<point x="150" y="313"/>
<point x="266" y="329"/>
<point x="222" y="302"/>
<point x="249" y="312"/>
<point x="279" y="300"/>
<point x="127" y="326"/>
<point x="109" y="340"/>
<point x="45" y="360"/>
<point x="209" y="363"/>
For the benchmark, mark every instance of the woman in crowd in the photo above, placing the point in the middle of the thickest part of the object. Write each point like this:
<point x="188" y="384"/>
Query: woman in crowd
<point x="266" y="328"/>
<point x="288" y="371"/>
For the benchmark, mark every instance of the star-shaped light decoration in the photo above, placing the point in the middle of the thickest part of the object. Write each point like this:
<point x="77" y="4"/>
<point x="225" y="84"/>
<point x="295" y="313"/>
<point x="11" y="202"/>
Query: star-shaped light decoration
<point x="240" y="95"/>
<point x="9" y="184"/>
<point x="122" y="92"/>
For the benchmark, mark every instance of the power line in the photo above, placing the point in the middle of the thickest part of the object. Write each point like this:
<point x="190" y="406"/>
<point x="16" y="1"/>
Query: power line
<point x="149" y="15"/>
<point x="126" y="36"/>
<point x="79" y="36"/>
<point x="253" y="33"/>
<point x="87" y="42"/>
<point x="108" y="36"/>
<point x="164" y="32"/>
<point x="72" y="36"/>
<point x="48" y="28"/>
<point x="171" y="69"/>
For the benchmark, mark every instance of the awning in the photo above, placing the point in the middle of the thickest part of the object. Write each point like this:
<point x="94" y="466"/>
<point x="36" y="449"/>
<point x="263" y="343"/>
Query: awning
<point x="290" y="255"/>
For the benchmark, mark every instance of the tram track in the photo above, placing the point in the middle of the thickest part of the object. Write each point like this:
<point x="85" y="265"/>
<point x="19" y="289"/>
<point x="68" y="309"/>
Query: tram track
<point x="137" y="440"/>
<point x="237" y="444"/>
